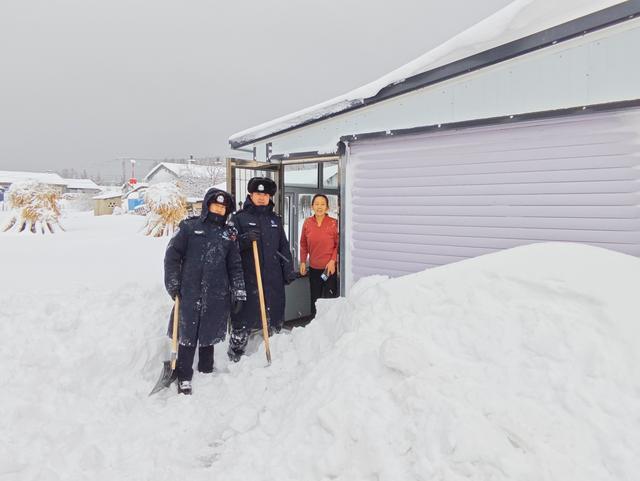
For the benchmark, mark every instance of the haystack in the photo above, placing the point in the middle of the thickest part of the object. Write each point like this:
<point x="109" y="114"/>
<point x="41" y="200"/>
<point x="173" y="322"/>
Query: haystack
<point x="167" y="207"/>
<point x="34" y="207"/>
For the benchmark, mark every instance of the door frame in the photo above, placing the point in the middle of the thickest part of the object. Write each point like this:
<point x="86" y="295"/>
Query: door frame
<point x="276" y="166"/>
<point x="233" y="164"/>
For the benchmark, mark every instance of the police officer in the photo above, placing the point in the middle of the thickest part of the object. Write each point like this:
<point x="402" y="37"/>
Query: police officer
<point x="202" y="265"/>
<point x="257" y="221"/>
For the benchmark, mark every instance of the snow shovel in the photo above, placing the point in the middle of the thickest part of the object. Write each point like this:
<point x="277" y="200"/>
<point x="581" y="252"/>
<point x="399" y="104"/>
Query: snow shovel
<point x="169" y="374"/>
<point x="263" y="311"/>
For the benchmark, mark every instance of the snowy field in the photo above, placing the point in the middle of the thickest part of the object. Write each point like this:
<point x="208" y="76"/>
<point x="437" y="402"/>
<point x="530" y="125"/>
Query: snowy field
<point x="520" y="365"/>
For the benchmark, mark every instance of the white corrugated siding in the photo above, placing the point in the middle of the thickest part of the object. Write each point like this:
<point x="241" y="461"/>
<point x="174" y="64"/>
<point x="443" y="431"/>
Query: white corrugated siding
<point x="419" y="201"/>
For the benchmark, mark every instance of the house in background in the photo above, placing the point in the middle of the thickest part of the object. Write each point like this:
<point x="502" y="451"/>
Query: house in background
<point x="524" y="128"/>
<point x="170" y="172"/>
<point x="105" y="203"/>
<point x="56" y="182"/>
<point x="81" y="186"/>
<point x="61" y="185"/>
<point x="192" y="179"/>
<point x="134" y="197"/>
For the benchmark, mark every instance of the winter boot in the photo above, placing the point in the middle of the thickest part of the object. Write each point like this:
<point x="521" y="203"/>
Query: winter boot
<point x="237" y="344"/>
<point x="233" y="355"/>
<point x="184" y="387"/>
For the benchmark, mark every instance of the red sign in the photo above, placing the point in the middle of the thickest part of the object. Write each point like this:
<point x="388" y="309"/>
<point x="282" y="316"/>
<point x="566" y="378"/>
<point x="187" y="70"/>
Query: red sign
<point x="132" y="181"/>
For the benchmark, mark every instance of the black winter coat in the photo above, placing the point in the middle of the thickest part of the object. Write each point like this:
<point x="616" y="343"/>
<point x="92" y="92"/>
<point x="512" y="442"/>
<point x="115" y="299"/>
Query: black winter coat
<point x="276" y="265"/>
<point x="203" y="265"/>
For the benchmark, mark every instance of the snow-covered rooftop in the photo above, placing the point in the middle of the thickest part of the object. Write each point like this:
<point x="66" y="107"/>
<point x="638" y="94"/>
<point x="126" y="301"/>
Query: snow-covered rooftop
<point x="10" y="176"/>
<point x="107" y="195"/>
<point x="517" y="20"/>
<point x="182" y="170"/>
<point x="81" y="184"/>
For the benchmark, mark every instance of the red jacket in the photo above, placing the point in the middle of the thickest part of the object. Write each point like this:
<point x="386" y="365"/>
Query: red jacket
<point x="319" y="243"/>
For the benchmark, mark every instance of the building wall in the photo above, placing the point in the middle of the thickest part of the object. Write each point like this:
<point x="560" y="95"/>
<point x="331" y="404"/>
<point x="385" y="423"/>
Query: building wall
<point x="597" y="68"/>
<point x="106" y="206"/>
<point x="162" y="175"/>
<point x="424" y="200"/>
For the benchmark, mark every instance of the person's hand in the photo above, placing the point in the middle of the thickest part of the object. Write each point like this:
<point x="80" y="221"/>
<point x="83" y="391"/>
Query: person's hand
<point x="238" y="299"/>
<point x="174" y="293"/>
<point x="303" y="269"/>
<point x="253" y="235"/>
<point x="331" y="267"/>
<point x="237" y="306"/>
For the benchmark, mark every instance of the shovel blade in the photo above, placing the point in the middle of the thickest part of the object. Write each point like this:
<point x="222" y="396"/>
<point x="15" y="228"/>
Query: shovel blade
<point x="167" y="377"/>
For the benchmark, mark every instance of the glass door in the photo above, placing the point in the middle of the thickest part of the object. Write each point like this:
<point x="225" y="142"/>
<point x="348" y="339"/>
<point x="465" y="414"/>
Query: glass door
<point x="239" y="171"/>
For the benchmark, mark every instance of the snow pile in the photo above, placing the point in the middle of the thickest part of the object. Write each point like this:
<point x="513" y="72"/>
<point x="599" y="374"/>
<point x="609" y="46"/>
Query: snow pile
<point x="519" y="19"/>
<point x="167" y="205"/>
<point x="35" y="207"/>
<point x="516" y="365"/>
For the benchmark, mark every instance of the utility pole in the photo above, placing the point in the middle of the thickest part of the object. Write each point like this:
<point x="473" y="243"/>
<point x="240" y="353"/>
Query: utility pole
<point x="133" y="168"/>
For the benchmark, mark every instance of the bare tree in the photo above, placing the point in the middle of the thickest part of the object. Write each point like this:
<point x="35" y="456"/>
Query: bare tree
<point x="200" y="175"/>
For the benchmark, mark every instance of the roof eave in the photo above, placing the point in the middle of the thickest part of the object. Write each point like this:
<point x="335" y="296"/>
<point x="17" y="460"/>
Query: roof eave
<point x="560" y="33"/>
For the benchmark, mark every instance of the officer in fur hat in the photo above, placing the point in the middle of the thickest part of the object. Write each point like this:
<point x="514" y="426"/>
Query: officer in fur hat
<point x="202" y="266"/>
<point x="257" y="221"/>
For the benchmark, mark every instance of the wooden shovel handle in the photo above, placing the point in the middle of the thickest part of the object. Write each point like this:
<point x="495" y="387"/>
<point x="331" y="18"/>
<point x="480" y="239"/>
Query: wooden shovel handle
<point x="263" y="310"/>
<point x="174" y="337"/>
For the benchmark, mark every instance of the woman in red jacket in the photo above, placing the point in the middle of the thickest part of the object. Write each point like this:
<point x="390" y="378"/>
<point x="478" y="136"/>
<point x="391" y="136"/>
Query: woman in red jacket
<point x="319" y="242"/>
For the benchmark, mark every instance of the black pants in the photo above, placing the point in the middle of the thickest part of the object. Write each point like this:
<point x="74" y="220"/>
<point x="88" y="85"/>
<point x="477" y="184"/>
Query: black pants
<point x="321" y="289"/>
<point x="184" y="365"/>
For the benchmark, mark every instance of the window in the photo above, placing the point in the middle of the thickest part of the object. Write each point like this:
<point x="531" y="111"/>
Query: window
<point x="301" y="175"/>
<point x="330" y="175"/>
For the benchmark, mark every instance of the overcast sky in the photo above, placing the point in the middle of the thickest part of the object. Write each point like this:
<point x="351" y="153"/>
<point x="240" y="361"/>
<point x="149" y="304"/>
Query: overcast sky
<point x="84" y="83"/>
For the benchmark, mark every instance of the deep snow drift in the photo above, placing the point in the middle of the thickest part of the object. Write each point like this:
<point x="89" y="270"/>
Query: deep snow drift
<point x="519" y="365"/>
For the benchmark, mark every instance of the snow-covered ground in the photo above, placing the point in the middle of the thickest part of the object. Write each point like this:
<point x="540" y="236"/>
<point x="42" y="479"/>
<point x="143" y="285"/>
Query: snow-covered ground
<point x="519" y="365"/>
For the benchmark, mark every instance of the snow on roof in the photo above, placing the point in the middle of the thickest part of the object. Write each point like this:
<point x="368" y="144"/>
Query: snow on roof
<point x="9" y="177"/>
<point x="107" y="195"/>
<point x="81" y="184"/>
<point x="519" y="19"/>
<point x="137" y="190"/>
<point x="182" y="170"/>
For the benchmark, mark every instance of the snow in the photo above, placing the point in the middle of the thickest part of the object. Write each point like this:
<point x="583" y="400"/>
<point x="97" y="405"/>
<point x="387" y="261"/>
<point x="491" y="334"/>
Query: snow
<point x="518" y="365"/>
<point x="81" y="184"/>
<point x="184" y="170"/>
<point x="107" y="195"/>
<point x="517" y="20"/>
<point x="10" y="176"/>
<point x="164" y="195"/>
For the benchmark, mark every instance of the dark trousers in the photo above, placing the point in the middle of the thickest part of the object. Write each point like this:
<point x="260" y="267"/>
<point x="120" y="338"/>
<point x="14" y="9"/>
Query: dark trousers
<point x="321" y="289"/>
<point x="186" y="354"/>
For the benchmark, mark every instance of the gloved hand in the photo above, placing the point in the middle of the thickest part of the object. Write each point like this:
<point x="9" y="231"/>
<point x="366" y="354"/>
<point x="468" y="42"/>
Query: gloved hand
<point x="174" y="292"/>
<point x="237" y="306"/>
<point x="291" y="276"/>
<point x="238" y="299"/>
<point x="252" y="235"/>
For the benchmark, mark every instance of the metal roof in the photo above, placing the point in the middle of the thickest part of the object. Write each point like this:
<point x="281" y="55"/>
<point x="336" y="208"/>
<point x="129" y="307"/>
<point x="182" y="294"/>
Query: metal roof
<point x="574" y="28"/>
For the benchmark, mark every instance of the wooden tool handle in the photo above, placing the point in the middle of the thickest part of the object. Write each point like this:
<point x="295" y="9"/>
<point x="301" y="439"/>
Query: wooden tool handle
<point x="263" y="310"/>
<point x="174" y="337"/>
